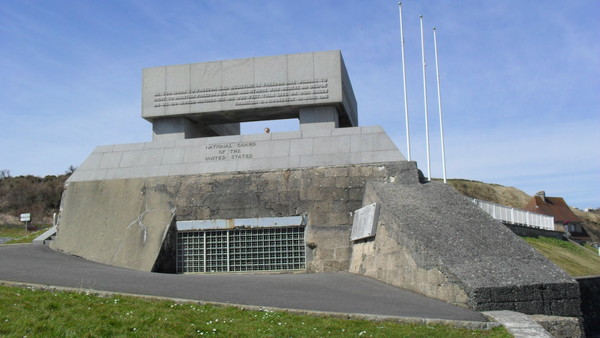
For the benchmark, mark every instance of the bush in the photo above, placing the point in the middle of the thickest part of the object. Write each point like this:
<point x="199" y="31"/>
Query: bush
<point x="31" y="194"/>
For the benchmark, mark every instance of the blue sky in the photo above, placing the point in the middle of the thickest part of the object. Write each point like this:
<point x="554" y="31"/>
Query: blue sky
<point x="520" y="79"/>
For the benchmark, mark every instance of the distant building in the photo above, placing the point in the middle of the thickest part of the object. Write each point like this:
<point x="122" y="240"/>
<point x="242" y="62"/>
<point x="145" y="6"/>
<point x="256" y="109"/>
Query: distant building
<point x="564" y="219"/>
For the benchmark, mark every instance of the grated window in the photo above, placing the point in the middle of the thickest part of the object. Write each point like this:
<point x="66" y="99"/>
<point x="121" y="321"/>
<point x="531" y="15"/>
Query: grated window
<point x="258" y="249"/>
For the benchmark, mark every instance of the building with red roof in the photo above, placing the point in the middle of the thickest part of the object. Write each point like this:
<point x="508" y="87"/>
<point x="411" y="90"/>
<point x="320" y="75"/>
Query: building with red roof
<point x="564" y="219"/>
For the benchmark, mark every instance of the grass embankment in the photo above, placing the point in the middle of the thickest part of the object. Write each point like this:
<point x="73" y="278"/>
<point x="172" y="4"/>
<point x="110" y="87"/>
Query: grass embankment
<point x="574" y="259"/>
<point x="508" y="196"/>
<point x="27" y="312"/>
<point x="19" y="234"/>
<point x="513" y="197"/>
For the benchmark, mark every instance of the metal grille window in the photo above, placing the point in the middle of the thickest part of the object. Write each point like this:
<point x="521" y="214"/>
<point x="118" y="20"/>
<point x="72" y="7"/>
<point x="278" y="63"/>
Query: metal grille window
<point x="255" y="249"/>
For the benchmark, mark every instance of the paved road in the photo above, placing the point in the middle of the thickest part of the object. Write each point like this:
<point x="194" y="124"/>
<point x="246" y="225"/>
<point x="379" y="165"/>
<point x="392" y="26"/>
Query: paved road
<point x="333" y="292"/>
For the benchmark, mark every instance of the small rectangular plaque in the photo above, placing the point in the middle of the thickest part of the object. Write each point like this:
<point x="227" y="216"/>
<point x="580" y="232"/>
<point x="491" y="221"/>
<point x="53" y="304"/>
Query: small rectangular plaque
<point x="365" y="222"/>
<point x="25" y="217"/>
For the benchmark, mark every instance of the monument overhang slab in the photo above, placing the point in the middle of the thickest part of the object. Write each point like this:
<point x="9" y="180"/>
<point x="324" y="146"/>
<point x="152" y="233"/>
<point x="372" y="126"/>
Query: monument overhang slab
<point x="260" y="88"/>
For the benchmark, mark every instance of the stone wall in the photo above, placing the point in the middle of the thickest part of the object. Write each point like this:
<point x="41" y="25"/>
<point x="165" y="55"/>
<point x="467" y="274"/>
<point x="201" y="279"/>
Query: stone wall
<point x="123" y="222"/>
<point x="434" y="241"/>
<point x="534" y="232"/>
<point x="590" y="304"/>
<point x="560" y="326"/>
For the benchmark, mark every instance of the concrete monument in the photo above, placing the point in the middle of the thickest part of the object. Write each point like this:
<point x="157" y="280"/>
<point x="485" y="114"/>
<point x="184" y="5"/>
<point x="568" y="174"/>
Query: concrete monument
<point x="202" y="198"/>
<point x="212" y="98"/>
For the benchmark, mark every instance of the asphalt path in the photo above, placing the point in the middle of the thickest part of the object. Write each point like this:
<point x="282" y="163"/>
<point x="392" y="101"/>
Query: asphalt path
<point x="331" y="292"/>
<point x="5" y="239"/>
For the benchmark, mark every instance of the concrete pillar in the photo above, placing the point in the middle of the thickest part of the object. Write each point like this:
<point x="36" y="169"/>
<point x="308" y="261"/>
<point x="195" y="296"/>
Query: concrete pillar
<point x="170" y="128"/>
<point x="325" y="117"/>
<point x="179" y="128"/>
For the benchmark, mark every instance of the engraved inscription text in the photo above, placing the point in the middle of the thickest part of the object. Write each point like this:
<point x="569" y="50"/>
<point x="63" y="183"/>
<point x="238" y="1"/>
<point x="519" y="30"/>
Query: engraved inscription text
<point x="229" y="151"/>
<point x="248" y="95"/>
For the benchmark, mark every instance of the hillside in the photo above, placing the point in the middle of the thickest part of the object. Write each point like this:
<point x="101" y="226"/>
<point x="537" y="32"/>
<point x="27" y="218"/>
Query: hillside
<point x="574" y="259"/>
<point x="516" y="198"/>
<point x="39" y="196"/>
<point x="509" y="196"/>
<point x="592" y="222"/>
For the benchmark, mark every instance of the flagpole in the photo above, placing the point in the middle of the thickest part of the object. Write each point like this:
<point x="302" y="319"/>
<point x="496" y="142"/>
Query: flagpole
<point x="404" y="83"/>
<point x="437" y="71"/>
<point x="425" y="101"/>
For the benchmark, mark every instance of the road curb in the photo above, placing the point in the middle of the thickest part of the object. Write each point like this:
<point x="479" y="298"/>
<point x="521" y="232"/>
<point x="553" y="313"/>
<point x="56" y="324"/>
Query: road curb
<point x="472" y="325"/>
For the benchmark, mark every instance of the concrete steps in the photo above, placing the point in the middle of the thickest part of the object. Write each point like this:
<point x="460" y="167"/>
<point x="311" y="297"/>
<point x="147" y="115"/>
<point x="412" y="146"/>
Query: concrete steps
<point x="45" y="238"/>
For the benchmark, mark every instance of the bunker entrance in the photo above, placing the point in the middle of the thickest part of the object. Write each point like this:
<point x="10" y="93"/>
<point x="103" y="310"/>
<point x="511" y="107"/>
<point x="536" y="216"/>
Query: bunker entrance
<point x="240" y="249"/>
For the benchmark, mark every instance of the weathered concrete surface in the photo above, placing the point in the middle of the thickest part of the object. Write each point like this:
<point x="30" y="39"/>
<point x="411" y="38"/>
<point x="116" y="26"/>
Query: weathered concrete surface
<point x="433" y="240"/>
<point x="123" y="222"/>
<point x="430" y="238"/>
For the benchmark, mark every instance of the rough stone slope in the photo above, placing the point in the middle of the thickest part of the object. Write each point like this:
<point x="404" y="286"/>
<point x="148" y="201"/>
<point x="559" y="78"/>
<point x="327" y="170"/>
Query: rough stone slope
<point x="433" y="240"/>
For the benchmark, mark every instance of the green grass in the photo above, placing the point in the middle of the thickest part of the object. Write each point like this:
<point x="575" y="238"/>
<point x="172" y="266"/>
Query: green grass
<point x="575" y="260"/>
<point x="12" y="231"/>
<point x="590" y="247"/>
<point x="19" y="234"/>
<point x="37" y="313"/>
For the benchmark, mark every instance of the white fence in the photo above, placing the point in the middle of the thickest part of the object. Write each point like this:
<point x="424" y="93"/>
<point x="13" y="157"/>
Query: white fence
<point x="516" y="216"/>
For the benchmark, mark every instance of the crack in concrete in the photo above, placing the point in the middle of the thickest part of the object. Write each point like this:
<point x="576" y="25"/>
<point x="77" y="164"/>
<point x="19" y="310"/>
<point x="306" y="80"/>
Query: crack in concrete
<point x="118" y="248"/>
<point x="140" y="220"/>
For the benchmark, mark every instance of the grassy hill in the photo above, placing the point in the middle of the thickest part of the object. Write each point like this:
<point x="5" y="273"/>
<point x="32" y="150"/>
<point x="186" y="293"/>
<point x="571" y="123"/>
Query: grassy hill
<point x="516" y="198"/>
<point x="573" y="258"/>
<point x="509" y="196"/>
<point x="592" y="222"/>
<point x="39" y="196"/>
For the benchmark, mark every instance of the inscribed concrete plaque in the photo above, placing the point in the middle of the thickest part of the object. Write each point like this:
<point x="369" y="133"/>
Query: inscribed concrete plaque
<point x="365" y="222"/>
<point x="260" y="88"/>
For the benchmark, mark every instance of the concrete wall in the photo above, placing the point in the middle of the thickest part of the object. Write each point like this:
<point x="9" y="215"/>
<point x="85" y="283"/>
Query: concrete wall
<point x="434" y="241"/>
<point x="123" y="222"/>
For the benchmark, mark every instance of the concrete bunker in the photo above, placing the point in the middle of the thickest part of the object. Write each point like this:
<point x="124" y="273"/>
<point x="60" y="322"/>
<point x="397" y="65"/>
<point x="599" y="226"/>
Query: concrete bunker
<point x="202" y="198"/>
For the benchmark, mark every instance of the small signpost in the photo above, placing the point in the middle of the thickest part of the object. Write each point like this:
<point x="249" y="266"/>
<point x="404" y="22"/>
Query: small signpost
<point x="26" y="218"/>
